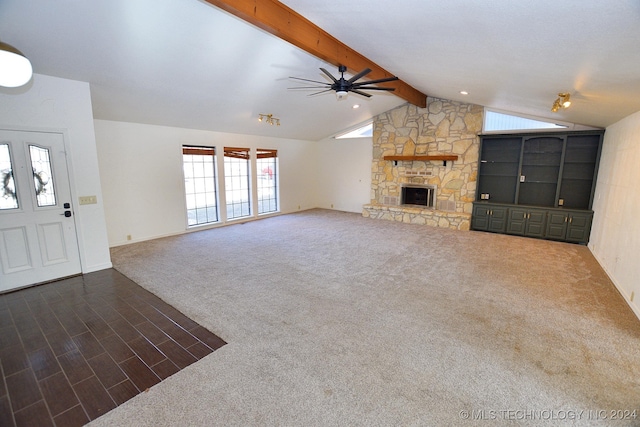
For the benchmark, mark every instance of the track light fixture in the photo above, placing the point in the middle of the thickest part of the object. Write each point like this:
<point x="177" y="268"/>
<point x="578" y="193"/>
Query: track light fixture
<point x="563" y="101"/>
<point x="15" y="68"/>
<point x="269" y="119"/>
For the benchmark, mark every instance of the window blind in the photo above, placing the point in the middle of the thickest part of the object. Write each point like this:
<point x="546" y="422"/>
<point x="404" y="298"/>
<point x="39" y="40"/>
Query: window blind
<point x="264" y="153"/>
<point x="199" y="151"/>
<point x="238" y="153"/>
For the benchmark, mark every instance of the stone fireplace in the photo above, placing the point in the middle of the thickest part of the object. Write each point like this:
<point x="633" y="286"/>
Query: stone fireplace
<point x="444" y="128"/>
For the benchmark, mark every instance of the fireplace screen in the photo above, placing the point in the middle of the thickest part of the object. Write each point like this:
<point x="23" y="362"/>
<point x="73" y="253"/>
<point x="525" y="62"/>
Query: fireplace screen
<point x="423" y="196"/>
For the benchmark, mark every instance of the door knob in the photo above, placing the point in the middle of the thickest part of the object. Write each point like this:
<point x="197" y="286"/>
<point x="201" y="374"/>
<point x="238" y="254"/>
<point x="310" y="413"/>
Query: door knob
<point x="66" y="214"/>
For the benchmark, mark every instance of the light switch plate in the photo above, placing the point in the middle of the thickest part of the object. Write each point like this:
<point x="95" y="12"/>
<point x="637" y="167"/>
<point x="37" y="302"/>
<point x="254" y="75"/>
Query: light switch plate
<point x="88" y="200"/>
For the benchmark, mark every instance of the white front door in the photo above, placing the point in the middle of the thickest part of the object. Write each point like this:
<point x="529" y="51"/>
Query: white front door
<point x="37" y="229"/>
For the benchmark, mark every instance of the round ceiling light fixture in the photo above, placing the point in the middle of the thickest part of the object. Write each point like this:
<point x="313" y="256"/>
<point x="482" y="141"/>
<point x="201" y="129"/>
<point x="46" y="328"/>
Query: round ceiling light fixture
<point x="15" y="68"/>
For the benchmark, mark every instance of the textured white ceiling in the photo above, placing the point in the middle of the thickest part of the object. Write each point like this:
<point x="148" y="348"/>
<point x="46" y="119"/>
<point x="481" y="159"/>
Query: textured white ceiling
<point x="185" y="63"/>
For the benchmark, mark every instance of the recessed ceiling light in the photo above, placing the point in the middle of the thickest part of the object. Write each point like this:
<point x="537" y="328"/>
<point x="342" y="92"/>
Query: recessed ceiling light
<point x="464" y="92"/>
<point x="355" y="106"/>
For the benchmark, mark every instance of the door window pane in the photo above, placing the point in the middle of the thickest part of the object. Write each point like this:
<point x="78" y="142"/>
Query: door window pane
<point x="42" y="176"/>
<point x="8" y="194"/>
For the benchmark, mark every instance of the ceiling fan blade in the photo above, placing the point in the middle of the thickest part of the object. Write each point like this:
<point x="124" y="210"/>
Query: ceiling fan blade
<point x="360" y="75"/>
<point x="307" y="87"/>
<point x="329" y="74"/>
<point x="360" y="93"/>
<point x="371" y="82"/>
<point x="391" y="89"/>
<point x="318" y="93"/>
<point x="307" y="80"/>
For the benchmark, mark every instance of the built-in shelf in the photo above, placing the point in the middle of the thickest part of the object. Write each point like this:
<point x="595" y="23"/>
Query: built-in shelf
<point x="443" y="158"/>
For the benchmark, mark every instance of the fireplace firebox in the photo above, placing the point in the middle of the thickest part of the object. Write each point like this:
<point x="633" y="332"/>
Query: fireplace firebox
<point x="422" y="195"/>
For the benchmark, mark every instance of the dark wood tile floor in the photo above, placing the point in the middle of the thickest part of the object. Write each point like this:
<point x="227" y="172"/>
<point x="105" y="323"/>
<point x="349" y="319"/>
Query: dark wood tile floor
<point x="74" y="349"/>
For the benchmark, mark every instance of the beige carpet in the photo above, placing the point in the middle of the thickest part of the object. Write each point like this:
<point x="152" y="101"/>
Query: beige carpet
<point x="333" y="319"/>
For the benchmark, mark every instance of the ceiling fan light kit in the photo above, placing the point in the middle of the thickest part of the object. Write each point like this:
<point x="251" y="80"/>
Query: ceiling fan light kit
<point x="563" y="101"/>
<point x="269" y="119"/>
<point x="343" y="86"/>
<point x="15" y="68"/>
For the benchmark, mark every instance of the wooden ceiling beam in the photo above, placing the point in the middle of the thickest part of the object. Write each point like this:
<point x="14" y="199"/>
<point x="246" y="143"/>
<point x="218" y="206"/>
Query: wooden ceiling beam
<point x="281" y="21"/>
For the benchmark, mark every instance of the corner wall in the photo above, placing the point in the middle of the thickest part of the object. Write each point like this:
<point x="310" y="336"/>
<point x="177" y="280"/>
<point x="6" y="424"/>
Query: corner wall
<point x="60" y="105"/>
<point x="344" y="173"/>
<point x="615" y="235"/>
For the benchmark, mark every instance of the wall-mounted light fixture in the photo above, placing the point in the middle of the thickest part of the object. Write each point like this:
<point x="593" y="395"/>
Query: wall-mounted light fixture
<point x="15" y="68"/>
<point x="269" y="119"/>
<point x="563" y="101"/>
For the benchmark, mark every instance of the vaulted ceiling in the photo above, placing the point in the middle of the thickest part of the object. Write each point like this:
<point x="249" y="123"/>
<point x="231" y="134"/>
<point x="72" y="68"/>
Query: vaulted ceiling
<point x="189" y="64"/>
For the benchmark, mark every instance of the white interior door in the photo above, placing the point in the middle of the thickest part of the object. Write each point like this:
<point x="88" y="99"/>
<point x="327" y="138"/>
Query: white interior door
<point x="37" y="228"/>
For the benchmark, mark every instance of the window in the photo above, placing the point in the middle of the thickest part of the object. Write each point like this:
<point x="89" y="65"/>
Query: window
<point x="8" y="193"/>
<point x="236" y="182"/>
<point x="267" y="167"/>
<point x="42" y="176"/>
<point x="200" y="184"/>
<point x="495" y="121"/>
<point x="365" y="131"/>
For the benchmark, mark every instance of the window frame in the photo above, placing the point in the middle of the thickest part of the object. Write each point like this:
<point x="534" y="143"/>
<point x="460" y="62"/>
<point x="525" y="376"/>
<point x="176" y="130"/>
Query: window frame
<point x="199" y="150"/>
<point x="266" y="153"/>
<point x="237" y="153"/>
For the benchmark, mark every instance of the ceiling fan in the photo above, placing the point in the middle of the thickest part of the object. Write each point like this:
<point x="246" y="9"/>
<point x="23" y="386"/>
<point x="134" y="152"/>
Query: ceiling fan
<point x="343" y="86"/>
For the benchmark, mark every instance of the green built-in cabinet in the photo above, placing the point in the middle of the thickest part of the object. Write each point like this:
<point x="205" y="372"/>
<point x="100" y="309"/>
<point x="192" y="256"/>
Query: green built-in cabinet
<point x="538" y="185"/>
<point x="563" y="224"/>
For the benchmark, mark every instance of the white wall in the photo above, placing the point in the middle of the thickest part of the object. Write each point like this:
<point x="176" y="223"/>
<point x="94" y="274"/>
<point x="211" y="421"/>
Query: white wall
<point x="615" y="237"/>
<point x="54" y="104"/>
<point x="344" y="173"/>
<point x="143" y="184"/>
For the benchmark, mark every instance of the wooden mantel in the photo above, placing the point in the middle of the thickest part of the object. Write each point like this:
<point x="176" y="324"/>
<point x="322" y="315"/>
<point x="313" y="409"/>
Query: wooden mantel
<point x="441" y="157"/>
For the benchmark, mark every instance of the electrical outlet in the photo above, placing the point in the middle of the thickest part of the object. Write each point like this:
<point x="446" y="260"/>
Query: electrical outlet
<point x="631" y="297"/>
<point x="560" y="202"/>
<point x="522" y="178"/>
<point x="331" y="205"/>
<point x="128" y="236"/>
<point x="298" y="207"/>
<point x="88" y="200"/>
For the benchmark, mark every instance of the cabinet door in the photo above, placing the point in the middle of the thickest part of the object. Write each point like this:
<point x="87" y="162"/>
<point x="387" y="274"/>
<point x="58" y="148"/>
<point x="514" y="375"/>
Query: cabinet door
<point x="527" y="222"/>
<point x="557" y="225"/>
<point x="541" y="160"/>
<point x="480" y="218"/>
<point x="498" y="219"/>
<point x="579" y="227"/>
<point x="536" y="221"/>
<point x="517" y="221"/>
